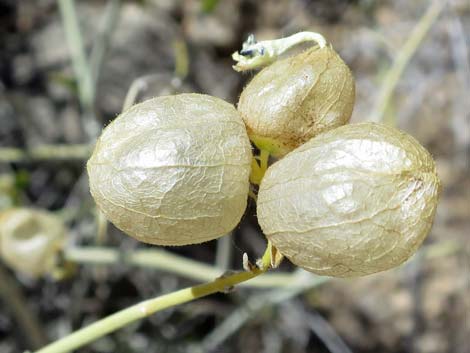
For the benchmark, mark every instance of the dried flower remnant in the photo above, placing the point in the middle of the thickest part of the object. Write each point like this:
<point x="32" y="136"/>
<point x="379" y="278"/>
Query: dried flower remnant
<point x="30" y="240"/>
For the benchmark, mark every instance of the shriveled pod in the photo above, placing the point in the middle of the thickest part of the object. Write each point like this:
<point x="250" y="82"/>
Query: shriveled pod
<point x="173" y="170"/>
<point x="30" y="240"/>
<point x="295" y="99"/>
<point x="350" y="202"/>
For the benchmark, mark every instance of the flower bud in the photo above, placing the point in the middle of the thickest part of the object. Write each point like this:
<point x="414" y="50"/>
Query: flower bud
<point x="350" y="202"/>
<point x="30" y="240"/>
<point x="173" y="170"/>
<point x="295" y="99"/>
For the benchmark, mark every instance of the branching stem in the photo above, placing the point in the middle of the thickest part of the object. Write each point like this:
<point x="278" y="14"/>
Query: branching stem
<point x="45" y="152"/>
<point x="403" y="58"/>
<point x="148" y="307"/>
<point x="259" y="169"/>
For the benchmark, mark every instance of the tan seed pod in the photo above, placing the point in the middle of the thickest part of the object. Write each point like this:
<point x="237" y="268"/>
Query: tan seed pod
<point x="173" y="170"/>
<point x="350" y="202"/>
<point x="30" y="240"/>
<point x="295" y="99"/>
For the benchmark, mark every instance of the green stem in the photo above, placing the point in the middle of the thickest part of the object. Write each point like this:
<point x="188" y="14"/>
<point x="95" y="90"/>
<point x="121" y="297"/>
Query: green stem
<point x="14" y="300"/>
<point x="137" y="86"/>
<point x="251" y="306"/>
<point x="75" y="43"/>
<point x="223" y="253"/>
<point x="181" y="58"/>
<point x="166" y="261"/>
<point x="86" y="88"/>
<point x="256" y="175"/>
<point x="103" y="39"/>
<point x="258" y="170"/>
<point x="403" y="57"/>
<point x="144" y="309"/>
<point x="266" y="259"/>
<point x="264" y="159"/>
<point x="257" y="54"/>
<point x="102" y="227"/>
<point x="44" y="152"/>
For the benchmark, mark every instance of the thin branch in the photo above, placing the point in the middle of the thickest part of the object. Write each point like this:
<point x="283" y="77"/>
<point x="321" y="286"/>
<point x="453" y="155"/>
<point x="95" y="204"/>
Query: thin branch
<point x="146" y="308"/>
<point x="181" y="58"/>
<point x="191" y="269"/>
<point x="223" y="253"/>
<point x="258" y="54"/>
<point x="86" y="88"/>
<point x="326" y="333"/>
<point x="403" y="57"/>
<point x="166" y="261"/>
<point x="45" y="152"/>
<point x="25" y="318"/>
<point x="300" y="281"/>
<point x="221" y="284"/>
<point x="303" y="280"/>
<point x="142" y="83"/>
<point x="103" y="40"/>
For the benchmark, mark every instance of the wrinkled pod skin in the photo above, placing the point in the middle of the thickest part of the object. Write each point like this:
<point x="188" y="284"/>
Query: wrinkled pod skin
<point x="173" y="170"/>
<point x="295" y="99"/>
<point x="30" y="240"/>
<point x="350" y="202"/>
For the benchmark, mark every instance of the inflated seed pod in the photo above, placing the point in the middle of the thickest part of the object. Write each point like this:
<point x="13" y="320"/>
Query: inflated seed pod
<point x="350" y="202"/>
<point x="30" y="240"/>
<point x="173" y="170"/>
<point x="294" y="99"/>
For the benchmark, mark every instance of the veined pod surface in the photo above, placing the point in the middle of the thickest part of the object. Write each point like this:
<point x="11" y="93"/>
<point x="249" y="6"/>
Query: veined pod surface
<point x="173" y="170"/>
<point x="30" y="240"/>
<point x="350" y="202"/>
<point x="294" y="99"/>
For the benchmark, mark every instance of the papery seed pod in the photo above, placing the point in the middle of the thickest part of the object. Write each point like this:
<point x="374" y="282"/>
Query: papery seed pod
<point x="173" y="170"/>
<point x="30" y="240"/>
<point x="350" y="202"/>
<point x="295" y="99"/>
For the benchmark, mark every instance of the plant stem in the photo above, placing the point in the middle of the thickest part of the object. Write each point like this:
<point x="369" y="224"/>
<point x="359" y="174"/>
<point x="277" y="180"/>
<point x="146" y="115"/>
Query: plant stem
<point x="403" y="57"/>
<point x="256" y="175"/>
<point x="101" y="227"/>
<point x="137" y="86"/>
<point x="75" y="43"/>
<point x="148" y="307"/>
<point x="252" y="305"/>
<point x="181" y="58"/>
<point x="144" y="309"/>
<point x="264" y="159"/>
<point x="86" y="88"/>
<point x="258" y="170"/>
<point x="223" y="253"/>
<point x="103" y="40"/>
<point x="14" y="300"/>
<point x="252" y="194"/>
<point x="257" y="54"/>
<point x="166" y="261"/>
<point x="44" y="152"/>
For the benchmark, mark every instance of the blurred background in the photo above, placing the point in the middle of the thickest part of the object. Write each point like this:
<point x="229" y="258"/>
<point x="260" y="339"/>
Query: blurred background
<point x="65" y="70"/>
